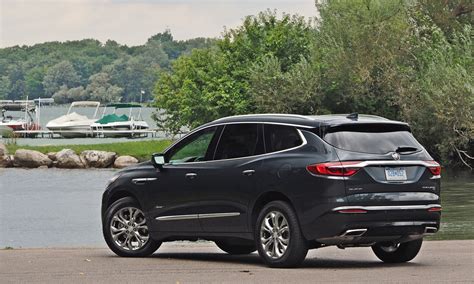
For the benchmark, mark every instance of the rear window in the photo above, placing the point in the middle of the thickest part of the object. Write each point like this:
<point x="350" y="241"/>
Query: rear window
<point x="373" y="139"/>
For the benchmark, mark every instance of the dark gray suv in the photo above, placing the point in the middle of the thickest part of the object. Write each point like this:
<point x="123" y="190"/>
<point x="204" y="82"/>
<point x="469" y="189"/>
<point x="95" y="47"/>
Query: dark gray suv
<point x="280" y="184"/>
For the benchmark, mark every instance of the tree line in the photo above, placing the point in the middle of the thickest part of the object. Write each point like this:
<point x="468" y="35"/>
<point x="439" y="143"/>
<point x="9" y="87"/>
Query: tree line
<point x="405" y="60"/>
<point x="89" y="69"/>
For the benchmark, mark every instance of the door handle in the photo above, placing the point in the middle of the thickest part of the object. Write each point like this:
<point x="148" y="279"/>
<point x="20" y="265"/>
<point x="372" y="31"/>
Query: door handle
<point x="191" y="175"/>
<point x="248" y="172"/>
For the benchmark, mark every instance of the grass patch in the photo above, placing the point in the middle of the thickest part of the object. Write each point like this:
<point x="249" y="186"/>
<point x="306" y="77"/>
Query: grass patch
<point x="141" y="150"/>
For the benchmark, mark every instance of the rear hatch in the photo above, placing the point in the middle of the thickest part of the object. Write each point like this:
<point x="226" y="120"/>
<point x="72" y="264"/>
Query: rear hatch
<point x="384" y="163"/>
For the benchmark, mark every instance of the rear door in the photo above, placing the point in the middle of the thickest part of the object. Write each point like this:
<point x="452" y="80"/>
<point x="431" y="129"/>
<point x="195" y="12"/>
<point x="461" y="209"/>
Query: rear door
<point x="391" y="165"/>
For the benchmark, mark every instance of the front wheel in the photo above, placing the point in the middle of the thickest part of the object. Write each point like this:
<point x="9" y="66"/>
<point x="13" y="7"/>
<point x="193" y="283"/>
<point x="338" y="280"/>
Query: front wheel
<point x="278" y="236"/>
<point x="126" y="231"/>
<point x="397" y="253"/>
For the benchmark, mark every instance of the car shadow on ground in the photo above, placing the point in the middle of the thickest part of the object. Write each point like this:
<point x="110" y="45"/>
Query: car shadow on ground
<point x="255" y="260"/>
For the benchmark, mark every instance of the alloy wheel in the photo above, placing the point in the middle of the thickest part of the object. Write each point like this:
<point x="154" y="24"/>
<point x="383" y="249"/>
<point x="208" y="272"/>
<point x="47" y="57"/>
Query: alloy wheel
<point x="128" y="229"/>
<point x="275" y="234"/>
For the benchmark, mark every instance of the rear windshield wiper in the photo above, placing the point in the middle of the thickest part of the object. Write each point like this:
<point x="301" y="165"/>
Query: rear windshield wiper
<point x="402" y="149"/>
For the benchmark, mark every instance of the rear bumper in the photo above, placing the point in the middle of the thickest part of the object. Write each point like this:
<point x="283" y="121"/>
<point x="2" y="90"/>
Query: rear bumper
<point x="377" y="224"/>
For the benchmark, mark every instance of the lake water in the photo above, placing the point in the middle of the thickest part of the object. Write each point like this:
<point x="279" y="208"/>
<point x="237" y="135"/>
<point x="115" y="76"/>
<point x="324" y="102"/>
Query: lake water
<point x="59" y="208"/>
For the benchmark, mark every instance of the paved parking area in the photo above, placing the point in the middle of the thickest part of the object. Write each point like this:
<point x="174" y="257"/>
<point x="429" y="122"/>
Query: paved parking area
<point x="439" y="261"/>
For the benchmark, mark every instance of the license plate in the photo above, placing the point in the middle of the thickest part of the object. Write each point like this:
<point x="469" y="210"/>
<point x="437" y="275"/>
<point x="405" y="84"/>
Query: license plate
<point x="395" y="174"/>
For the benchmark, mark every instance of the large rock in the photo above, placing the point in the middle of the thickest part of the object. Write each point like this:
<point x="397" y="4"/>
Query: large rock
<point x="5" y="160"/>
<point x="125" y="161"/>
<point x="52" y="155"/>
<point x="3" y="150"/>
<point x="31" y="159"/>
<point x="98" y="159"/>
<point x="68" y="159"/>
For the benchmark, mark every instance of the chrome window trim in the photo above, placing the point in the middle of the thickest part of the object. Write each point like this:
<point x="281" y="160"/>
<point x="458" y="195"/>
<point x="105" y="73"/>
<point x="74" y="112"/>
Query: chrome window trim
<point x="388" y="207"/>
<point x="246" y="157"/>
<point x="242" y="122"/>
<point x="196" y="216"/>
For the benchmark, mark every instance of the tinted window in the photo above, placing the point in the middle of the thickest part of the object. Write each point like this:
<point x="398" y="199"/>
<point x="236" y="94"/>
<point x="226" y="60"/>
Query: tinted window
<point x="194" y="148"/>
<point x="239" y="140"/>
<point x="278" y="137"/>
<point x="380" y="139"/>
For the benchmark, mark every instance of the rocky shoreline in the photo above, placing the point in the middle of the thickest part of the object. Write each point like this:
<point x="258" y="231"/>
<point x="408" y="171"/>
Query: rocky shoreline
<point x="65" y="159"/>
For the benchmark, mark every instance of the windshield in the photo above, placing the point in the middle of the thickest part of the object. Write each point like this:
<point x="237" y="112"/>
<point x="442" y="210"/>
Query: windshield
<point x="373" y="139"/>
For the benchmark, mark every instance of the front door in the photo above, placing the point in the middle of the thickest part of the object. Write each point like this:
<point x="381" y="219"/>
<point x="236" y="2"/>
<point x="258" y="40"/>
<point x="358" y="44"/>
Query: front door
<point x="176" y="194"/>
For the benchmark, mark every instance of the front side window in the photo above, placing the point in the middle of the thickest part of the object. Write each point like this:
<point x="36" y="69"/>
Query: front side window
<point x="279" y="137"/>
<point x="239" y="140"/>
<point x="193" y="149"/>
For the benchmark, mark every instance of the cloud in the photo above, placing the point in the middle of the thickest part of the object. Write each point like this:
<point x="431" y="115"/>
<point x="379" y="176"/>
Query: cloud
<point x="126" y="21"/>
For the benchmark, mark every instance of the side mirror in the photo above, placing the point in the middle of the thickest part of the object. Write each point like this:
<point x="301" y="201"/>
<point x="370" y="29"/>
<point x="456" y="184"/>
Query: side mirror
<point x="158" y="160"/>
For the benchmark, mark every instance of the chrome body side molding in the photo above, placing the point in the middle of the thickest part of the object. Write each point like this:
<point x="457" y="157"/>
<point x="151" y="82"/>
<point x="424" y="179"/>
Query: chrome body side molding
<point x="196" y="216"/>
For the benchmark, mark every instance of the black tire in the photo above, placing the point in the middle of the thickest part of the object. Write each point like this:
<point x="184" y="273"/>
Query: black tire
<point x="147" y="249"/>
<point x="403" y="253"/>
<point x="297" y="247"/>
<point x="236" y="248"/>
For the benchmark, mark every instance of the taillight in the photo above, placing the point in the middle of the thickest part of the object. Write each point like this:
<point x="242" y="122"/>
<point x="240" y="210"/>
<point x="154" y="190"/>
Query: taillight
<point x="334" y="169"/>
<point x="434" y="168"/>
<point x="435" y="209"/>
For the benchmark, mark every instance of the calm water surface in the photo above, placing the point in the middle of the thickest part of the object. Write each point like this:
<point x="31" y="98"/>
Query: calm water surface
<point x="58" y="208"/>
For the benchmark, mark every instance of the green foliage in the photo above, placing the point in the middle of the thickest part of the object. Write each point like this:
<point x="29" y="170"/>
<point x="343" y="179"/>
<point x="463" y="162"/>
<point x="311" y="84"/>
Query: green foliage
<point x="407" y="60"/>
<point x="216" y="81"/>
<point x="40" y="70"/>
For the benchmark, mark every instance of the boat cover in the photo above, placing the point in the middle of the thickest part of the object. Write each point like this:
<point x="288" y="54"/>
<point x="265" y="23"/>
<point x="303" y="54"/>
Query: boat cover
<point x="112" y="118"/>
<point x="69" y="118"/>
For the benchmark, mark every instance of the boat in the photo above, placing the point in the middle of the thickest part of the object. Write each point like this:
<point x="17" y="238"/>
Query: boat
<point x="73" y="124"/>
<point x="17" y="116"/>
<point x="115" y="125"/>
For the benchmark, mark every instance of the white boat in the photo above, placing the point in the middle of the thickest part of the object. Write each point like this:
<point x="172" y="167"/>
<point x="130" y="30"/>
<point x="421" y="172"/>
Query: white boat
<point x="74" y="124"/>
<point x="17" y="116"/>
<point x="114" y="125"/>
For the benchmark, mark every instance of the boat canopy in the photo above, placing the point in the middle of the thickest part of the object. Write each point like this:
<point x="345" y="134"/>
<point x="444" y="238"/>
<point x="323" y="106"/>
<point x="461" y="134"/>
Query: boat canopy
<point x="85" y="104"/>
<point x="124" y="105"/>
<point x="110" y="118"/>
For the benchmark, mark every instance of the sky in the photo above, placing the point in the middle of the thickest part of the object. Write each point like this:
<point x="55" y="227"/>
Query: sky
<point x="131" y="22"/>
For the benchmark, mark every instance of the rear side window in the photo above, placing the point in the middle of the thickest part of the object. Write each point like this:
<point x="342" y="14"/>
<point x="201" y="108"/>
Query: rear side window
<point x="373" y="139"/>
<point x="239" y="140"/>
<point x="279" y="137"/>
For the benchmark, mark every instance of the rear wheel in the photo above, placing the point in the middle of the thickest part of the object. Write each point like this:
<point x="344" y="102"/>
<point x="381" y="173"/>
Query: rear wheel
<point x="236" y="248"/>
<point x="397" y="253"/>
<point x="278" y="236"/>
<point x="126" y="231"/>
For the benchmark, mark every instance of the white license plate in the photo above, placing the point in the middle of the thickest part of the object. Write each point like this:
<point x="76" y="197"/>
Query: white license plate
<point x="395" y="174"/>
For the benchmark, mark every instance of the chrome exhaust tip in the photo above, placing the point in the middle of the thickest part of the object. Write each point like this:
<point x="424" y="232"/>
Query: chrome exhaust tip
<point x="430" y="230"/>
<point x="354" y="233"/>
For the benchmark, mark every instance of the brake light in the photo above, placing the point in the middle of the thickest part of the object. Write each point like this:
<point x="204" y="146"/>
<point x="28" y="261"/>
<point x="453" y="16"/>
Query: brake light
<point x="435" y="209"/>
<point x="334" y="169"/>
<point x="434" y="168"/>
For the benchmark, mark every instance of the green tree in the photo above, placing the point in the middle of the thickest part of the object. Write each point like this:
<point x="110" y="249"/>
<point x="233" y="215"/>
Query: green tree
<point x="58" y="75"/>
<point x="100" y="89"/>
